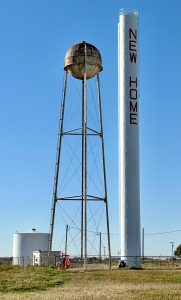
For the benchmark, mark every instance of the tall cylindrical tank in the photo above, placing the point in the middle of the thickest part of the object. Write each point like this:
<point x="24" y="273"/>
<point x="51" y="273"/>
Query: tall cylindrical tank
<point x="128" y="128"/>
<point x="25" y="243"/>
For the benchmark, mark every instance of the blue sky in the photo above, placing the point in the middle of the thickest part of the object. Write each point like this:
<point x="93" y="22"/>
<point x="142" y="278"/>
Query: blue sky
<point x="34" y="38"/>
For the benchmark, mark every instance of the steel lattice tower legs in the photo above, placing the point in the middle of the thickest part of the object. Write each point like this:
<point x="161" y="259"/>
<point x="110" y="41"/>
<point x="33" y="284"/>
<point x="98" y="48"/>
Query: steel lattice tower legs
<point x="84" y="197"/>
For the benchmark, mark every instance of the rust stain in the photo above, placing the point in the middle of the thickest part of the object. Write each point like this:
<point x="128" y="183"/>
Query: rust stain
<point x="76" y="59"/>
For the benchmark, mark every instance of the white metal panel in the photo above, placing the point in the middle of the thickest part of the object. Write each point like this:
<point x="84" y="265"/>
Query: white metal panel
<point x="43" y="257"/>
<point x="128" y="134"/>
<point x="25" y="243"/>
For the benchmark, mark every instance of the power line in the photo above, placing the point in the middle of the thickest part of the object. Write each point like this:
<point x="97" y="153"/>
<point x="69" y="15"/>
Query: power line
<point x="165" y="232"/>
<point x="156" y="233"/>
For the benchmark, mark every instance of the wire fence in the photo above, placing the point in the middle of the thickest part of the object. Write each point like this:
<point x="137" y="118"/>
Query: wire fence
<point x="95" y="262"/>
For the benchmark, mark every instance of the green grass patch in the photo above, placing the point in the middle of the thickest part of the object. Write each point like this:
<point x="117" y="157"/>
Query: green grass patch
<point x="33" y="279"/>
<point x="29" y="279"/>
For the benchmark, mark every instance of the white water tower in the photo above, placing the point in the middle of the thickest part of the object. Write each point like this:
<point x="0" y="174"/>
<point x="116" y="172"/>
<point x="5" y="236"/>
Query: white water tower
<point x="128" y="132"/>
<point x="25" y="243"/>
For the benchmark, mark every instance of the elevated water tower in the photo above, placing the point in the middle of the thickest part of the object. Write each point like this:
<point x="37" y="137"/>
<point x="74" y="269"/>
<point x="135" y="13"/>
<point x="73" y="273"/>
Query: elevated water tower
<point x="82" y="62"/>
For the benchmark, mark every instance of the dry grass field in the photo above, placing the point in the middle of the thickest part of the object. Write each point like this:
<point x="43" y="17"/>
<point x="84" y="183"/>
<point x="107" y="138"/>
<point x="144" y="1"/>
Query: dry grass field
<point x="48" y="283"/>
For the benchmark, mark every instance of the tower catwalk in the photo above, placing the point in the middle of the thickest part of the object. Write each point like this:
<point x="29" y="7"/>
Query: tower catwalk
<point x="128" y="128"/>
<point x="83" y="62"/>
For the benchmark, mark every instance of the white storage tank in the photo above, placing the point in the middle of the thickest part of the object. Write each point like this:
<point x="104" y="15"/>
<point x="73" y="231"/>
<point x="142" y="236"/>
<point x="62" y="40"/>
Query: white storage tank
<point x="25" y="243"/>
<point x="128" y="133"/>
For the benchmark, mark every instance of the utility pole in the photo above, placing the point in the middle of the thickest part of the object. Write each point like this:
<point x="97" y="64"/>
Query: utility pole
<point x="100" y="242"/>
<point x="104" y="252"/>
<point x="143" y="243"/>
<point x="172" y="245"/>
<point x="66" y="238"/>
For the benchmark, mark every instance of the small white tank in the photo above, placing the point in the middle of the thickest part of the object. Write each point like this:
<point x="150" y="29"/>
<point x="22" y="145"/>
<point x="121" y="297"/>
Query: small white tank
<point x="25" y="243"/>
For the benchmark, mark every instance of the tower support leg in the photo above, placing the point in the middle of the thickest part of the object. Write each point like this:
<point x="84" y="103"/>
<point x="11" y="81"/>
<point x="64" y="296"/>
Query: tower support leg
<point x="57" y="166"/>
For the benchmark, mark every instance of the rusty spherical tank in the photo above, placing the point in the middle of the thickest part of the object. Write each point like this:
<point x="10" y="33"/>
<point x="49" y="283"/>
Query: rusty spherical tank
<point x="81" y="58"/>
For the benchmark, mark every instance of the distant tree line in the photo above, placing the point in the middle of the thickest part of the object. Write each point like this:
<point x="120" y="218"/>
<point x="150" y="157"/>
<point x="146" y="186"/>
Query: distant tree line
<point x="177" y="252"/>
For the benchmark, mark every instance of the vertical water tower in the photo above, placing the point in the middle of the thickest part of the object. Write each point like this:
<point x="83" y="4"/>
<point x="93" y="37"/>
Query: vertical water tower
<point x="82" y="63"/>
<point x="128" y="132"/>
